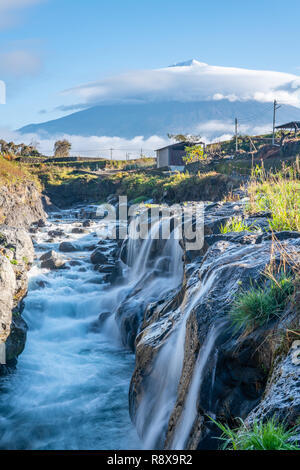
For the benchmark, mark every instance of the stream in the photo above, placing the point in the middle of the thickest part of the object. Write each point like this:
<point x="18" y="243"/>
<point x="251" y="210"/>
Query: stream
<point x="70" y="386"/>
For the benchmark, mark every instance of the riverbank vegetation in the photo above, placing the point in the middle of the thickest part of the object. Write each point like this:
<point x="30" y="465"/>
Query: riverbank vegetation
<point x="269" y="435"/>
<point x="13" y="174"/>
<point x="258" y="305"/>
<point x="237" y="225"/>
<point x="277" y="193"/>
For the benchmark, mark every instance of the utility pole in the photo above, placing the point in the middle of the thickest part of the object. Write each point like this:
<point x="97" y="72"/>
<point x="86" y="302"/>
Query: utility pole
<point x="276" y="106"/>
<point x="111" y="153"/>
<point x="236" y="136"/>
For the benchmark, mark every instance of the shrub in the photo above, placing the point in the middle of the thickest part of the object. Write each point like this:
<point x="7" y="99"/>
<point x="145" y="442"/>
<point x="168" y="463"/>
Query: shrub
<point x="255" y="307"/>
<point x="270" y="435"/>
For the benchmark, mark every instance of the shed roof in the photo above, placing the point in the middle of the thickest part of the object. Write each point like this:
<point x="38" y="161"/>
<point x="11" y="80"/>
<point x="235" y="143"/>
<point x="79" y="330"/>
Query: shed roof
<point x="289" y="125"/>
<point x="179" y="144"/>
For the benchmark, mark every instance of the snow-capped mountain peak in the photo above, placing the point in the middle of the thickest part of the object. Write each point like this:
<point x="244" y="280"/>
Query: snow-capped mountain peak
<point x="189" y="63"/>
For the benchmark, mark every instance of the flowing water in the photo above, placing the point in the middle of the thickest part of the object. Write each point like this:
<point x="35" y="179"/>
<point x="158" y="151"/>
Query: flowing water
<point x="189" y="412"/>
<point x="157" y="404"/>
<point x="70" y="387"/>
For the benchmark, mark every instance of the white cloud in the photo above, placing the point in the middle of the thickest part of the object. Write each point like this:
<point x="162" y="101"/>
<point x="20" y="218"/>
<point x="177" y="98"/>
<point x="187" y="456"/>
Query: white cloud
<point x="192" y="82"/>
<point x="9" y="11"/>
<point x="18" y="63"/>
<point x="92" y="146"/>
<point x="211" y="131"/>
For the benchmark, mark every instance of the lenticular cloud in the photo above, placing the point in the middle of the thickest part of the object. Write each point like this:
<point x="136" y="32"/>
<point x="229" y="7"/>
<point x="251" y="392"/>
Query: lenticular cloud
<point x="191" y="81"/>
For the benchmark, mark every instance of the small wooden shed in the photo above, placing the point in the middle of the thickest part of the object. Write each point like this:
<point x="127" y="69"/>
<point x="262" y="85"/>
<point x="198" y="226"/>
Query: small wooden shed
<point x="172" y="155"/>
<point x="293" y="125"/>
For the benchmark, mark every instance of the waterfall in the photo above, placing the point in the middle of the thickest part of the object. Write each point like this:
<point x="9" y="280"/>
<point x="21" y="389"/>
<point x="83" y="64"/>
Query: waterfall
<point x="158" y="401"/>
<point x="155" y="265"/>
<point x="189" y="412"/>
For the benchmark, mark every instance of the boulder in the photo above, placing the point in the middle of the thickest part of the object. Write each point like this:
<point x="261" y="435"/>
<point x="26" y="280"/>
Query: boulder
<point x="78" y="230"/>
<point x="67" y="247"/>
<point x="41" y="223"/>
<point x="282" y="396"/>
<point x="48" y="255"/>
<point x="15" y="343"/>
<point x="51" y="260"/>
<point x="98" y="257"/>
<point x="98" y="324"/>
<point x="55" y="233"/>
<point x="74" y="263"/>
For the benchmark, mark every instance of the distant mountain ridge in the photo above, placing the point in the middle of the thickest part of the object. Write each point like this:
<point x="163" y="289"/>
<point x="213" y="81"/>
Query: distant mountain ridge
<point x="159" y="118"/>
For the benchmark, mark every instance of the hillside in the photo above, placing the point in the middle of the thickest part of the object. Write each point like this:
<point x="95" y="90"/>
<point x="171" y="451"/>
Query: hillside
<point x="160" y="118"/>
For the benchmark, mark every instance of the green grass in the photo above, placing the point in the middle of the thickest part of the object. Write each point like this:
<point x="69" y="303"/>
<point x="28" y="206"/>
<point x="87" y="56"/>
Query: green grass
<point x="258" y="305"/>
<point x="270" y="435"/>
<point x="139" y="199"/>
<point x="14" y="174"/>
<point x="237" y="225"/>
<point x="278" y="193"/>
<point x="175" y="188"/>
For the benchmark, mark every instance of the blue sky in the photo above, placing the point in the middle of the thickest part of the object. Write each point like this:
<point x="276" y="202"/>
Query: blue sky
<point x="48" y="46"/>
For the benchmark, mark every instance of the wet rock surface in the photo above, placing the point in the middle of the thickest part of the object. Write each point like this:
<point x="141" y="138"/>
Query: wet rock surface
<point x="52" y="260"/>
<point x="67" y="247"/>
<point x="240" y="377"/>
<point x="16" y="257"/>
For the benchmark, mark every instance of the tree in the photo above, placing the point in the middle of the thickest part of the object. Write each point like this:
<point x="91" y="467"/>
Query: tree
<point x="194" y="153"/>
<point x="184" y="137"/>
<point x="13" y="150"/>
<point x="28" y="151"/>
<point x="62" y="148"/>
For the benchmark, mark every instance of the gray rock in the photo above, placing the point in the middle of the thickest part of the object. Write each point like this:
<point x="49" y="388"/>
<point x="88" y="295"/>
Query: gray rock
<point x="282" y="396"/>
<point x="67" y="247"/>
<point x="240" y="364"/>
<point x="51" y="260"/>
<point x="55" y="233"/>
<point x="8" y="287"/>
<point x="18" y="241"/>
<point x="21" y="205"/>
<point x="284" y="235"/>
<point x="41" y="223"/>
<point x="98" y="257"/>
<point x="48" y="255"/>
<point x="79" y="230"/>
<point x="97" y="325"/>
<point x="75" y="263"/>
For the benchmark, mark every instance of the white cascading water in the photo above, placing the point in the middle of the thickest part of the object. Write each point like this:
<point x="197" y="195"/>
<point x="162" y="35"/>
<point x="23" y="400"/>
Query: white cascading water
<point x="189" y="412"/>
<point x="159" y="398"/>
<point x="70" y="387"/>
